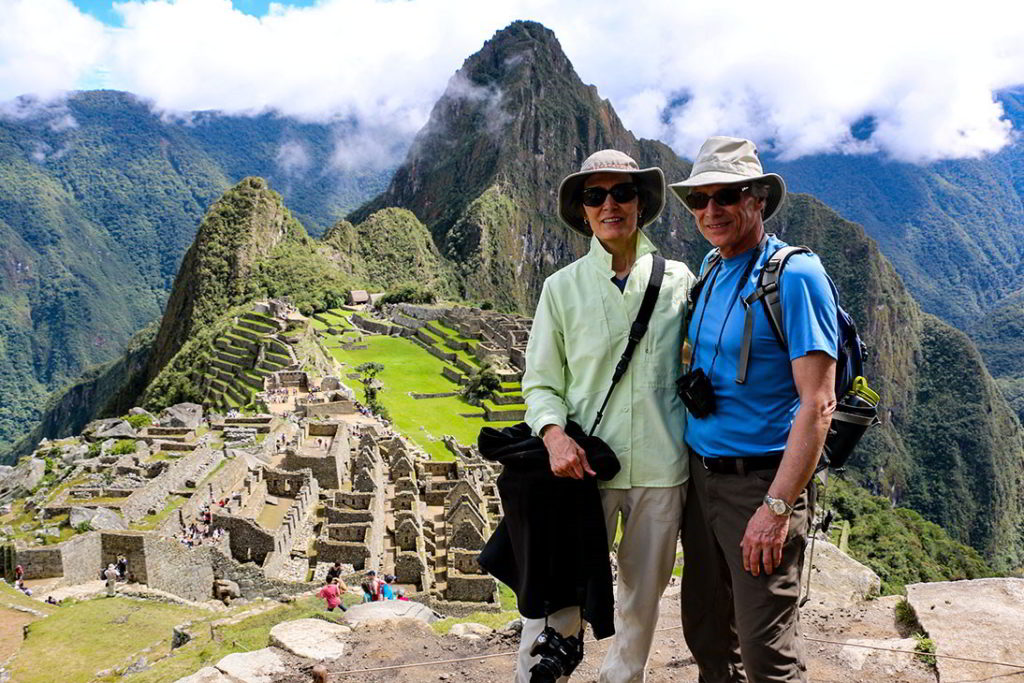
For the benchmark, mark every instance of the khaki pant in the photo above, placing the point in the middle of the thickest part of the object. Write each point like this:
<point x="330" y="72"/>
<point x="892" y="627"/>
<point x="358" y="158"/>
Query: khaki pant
<point x="739" y="627"/>
<point x="647" y="551"/>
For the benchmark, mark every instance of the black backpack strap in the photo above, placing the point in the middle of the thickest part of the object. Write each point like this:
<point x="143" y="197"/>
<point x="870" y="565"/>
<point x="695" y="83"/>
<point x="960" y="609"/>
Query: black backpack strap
<point x="698" y="286"/>
<point x="636" y="331"/>
<point x="770" y="295"/>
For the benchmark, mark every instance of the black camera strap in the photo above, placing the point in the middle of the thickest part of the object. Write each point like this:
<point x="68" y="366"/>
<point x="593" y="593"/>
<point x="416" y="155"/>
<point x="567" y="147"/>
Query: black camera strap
<point x="636" y="331"/>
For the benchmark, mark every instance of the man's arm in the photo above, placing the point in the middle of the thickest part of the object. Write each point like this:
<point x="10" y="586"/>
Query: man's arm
<point x="814" y="377"/>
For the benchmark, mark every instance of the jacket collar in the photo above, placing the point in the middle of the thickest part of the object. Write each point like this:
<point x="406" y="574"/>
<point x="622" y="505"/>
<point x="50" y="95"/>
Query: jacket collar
<point x="601" y="259"/>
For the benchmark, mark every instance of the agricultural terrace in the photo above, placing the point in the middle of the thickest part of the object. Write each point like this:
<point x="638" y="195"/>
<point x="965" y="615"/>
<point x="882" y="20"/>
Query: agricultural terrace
<point x="409" y="368"/>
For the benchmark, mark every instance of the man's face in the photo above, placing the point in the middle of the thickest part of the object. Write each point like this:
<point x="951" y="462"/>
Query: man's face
<point x="611" y="221"/>
<point x="733" y="229"/>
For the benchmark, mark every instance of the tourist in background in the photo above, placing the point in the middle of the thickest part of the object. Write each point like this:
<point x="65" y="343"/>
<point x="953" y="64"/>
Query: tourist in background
<point x="331" y="593"/>
<point x="110" y="574"/>
<point x="579" y="332"/>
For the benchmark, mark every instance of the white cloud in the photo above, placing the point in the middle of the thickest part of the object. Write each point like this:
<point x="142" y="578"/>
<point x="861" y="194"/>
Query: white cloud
<point x="293" y="158"/>
<point x="793" y="75"/>
<point x="46" y="46"/>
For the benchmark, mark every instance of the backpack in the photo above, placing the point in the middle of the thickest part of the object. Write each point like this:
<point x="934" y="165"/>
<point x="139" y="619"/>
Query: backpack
<point x="856" y="405"/>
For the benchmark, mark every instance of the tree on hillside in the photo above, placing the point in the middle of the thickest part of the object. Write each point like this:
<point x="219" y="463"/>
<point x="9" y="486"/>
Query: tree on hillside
<point x="372" y="387"/>
<point x="483" y="385"/>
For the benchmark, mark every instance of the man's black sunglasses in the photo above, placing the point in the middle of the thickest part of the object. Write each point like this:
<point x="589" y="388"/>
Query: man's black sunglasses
<point x="727" y="196"/>
<point x="623" y="193"/>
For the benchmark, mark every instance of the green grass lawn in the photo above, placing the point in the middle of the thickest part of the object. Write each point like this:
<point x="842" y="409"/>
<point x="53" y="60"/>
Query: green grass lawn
<point x="407" y="367"/>
<point x="79" y="639"/>
<point x="9" y="595"/>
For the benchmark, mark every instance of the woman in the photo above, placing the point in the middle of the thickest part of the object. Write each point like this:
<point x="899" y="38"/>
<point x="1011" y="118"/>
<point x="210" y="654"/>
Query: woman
<point x="580" y="329"/>
<point x="331" y="593"/>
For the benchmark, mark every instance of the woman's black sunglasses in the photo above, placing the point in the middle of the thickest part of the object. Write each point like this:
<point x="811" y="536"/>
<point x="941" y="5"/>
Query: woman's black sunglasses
<point x="623" y="193"/>
<point x="727" y="196"/>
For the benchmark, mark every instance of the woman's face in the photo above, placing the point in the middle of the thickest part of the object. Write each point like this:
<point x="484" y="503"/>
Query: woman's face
<point x="611" y="221"/>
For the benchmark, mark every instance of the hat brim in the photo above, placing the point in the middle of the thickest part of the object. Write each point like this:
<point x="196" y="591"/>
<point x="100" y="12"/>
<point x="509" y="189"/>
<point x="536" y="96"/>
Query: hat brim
<point x="772" y="204"/>
<point x="570" y="212"/>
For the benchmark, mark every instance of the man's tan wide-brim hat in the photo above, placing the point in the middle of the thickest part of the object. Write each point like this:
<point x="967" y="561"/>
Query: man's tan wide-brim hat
<point x="727" y="161"/>
<point x="651" y="182"/>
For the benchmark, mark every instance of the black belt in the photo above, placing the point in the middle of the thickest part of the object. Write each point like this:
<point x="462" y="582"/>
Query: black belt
<point x="739" y="466"/>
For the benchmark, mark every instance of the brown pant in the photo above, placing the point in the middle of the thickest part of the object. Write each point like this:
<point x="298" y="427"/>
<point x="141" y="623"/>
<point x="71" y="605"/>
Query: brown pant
<point x="739" y="627"/>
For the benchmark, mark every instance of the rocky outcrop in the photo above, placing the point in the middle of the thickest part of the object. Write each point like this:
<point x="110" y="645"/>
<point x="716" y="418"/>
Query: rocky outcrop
<point x="314" y="639"/>
<point x="99" y="519"/>
<point x="835" y="579"/>
<point x="368" y="612"/>
<point x="979" y="619"/>
<point x="185" y="415"/>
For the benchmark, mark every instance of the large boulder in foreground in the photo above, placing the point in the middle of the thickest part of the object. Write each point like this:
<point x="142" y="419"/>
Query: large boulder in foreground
<point x="368" y="612"/>
<point x="836" y="579"/>
<point x="979" y="619"/>
<point x="258" y="666"/>
<point x="209" y="674"/>
<point x="314" y="639"/>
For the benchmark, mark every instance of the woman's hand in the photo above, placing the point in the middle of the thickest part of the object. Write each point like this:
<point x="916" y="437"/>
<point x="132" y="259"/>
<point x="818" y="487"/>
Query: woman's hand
<point x="566" y="456"/>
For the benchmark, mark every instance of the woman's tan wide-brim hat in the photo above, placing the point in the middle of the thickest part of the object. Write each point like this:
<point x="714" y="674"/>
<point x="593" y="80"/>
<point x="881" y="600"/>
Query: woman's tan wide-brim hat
<point x="651" y="182"/>
<point x="727" y="161"/>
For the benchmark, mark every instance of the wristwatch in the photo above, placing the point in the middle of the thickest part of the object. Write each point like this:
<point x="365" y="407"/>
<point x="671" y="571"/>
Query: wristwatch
<point x="778" y="506"/>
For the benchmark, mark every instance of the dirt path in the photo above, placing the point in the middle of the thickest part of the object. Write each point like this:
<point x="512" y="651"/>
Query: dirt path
<point x="12" y="624"/>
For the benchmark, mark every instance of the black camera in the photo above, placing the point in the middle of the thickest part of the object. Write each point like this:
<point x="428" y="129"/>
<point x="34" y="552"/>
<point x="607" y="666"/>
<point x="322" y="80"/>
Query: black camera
<point x="694" y="390"/>
<point x="559" y="656"/>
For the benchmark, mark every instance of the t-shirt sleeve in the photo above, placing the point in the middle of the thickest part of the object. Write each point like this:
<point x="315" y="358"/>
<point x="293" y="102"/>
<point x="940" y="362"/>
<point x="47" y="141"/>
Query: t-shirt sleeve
<point x="809" y="302"/>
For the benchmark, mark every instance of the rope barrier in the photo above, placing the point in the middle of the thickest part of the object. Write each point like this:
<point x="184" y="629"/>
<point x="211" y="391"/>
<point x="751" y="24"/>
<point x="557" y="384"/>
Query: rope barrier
<point x="915" y="652"/>
<point x="352" y="672"/>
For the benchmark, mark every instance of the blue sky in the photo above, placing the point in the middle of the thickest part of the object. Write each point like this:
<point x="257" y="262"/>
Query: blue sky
<point x="798" y="78"/>
<point x="104" y="9"/>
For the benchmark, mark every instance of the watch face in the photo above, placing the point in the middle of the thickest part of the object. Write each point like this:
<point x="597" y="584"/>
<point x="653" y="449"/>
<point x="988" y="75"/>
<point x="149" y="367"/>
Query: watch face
<point x="778" y="507"/>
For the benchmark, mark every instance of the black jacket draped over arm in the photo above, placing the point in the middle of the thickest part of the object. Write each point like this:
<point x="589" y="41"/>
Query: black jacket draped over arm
<point x="551" y="547"/>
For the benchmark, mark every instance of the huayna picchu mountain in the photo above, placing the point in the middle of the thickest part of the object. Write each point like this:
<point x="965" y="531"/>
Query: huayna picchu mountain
<point x="480" y="182"/>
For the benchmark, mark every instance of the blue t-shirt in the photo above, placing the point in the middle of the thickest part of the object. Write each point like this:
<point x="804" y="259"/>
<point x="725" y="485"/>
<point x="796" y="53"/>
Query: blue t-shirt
<point x="754" y="418"/>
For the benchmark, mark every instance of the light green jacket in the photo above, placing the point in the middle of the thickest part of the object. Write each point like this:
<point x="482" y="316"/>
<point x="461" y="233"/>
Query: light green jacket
<point x="578" y="335"/>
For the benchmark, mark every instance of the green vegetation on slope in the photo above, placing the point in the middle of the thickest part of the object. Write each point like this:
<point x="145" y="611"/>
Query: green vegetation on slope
<point x="899" y="544"/>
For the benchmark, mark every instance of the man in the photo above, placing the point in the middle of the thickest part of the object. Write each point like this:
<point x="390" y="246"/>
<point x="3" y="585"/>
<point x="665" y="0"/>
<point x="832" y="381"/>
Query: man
<point x="334" y="572"/>
<point x="753" y="453"/>
<point x="579" y="331"/>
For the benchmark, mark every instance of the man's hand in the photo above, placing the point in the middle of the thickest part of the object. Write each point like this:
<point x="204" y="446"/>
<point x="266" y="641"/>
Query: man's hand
<point x="565" y="455"/>
<point x="762" y="541"/>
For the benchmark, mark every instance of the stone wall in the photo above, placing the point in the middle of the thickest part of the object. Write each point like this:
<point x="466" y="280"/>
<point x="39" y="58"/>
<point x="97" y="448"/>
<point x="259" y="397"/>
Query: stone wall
<point x="41" y="563"/>
<point x="130" y="544"/>
<point x="421" y="312"/>
<point x="325" y="468"/>
<point x="331" y="409"/>
<point x="192" y="467"/>
<point x="371" y="326"/>
<point x="449" y="357"/>
<point x="251" y="580"/>
<point x="172" y="567"/>
<point x="224" y="484"/>
<point x="248" y="541"/>
<point x="82" y="557"/>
